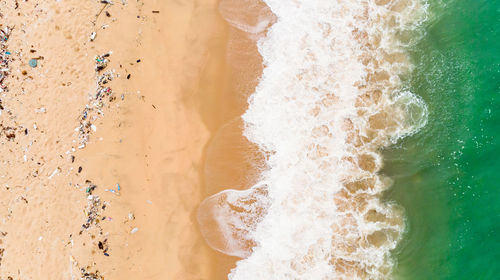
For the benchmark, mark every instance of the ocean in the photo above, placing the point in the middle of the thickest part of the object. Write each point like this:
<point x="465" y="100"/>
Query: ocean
<point x="447" y="176"/>
<point x="375" y="124"/>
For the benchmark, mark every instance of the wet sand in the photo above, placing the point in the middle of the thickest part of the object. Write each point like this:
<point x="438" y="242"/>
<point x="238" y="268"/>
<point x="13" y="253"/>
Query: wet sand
<point x="151" y="139"/>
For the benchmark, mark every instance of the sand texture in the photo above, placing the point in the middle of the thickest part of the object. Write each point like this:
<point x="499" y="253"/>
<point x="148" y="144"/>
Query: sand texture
<point x="107" y="186"/>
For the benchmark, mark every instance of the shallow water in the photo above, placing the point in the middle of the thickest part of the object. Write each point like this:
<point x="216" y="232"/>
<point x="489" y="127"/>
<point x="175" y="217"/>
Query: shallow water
<point x="447" y="175"/>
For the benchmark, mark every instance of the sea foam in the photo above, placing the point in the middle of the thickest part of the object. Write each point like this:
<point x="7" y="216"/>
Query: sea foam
<point x="329" y="98"/>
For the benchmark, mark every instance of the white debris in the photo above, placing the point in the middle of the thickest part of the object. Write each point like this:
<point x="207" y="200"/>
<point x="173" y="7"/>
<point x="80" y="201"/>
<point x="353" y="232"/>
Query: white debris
<point x="54" y="173"/>
<point x="41" y="110"/>
<point x="131" y="216"/>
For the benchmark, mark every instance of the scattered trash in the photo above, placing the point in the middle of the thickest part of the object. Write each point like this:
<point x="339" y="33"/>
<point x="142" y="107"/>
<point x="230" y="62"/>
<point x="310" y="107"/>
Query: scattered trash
<point x="134" y="230"/>
<point x="149" y="201"/>
<point x="103" y="94"/>
<point x="55" y="172"/>
<point x="156" y="12"/>
<point x="41" y="110"/>
<point x="92" y="36"/>
<point x="117" y="192"/>
<point x="33" y="63"/>
<point x="90" y="189"/>
<point x="90" y="275"/>
<point x="103" y="245"/>
<point x="5" y="58"/>
<point x="92" y="211"/>
<point x="131" y="216"/>
<point x="102" y="61"/>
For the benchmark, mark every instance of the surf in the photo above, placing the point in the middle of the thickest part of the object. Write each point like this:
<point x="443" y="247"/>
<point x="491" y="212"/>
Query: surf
<point x="331" y="95"/>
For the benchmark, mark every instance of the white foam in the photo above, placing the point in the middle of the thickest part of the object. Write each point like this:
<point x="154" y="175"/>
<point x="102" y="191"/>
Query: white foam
<point x="328" y="99"/>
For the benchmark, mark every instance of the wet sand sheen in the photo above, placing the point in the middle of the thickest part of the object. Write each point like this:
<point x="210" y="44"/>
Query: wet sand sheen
<point x="230" y="160"/>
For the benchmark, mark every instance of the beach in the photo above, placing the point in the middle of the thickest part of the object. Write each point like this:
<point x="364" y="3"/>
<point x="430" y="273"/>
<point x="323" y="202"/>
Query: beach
<point x="128" y="161"/>
<point x="249" y="139"/>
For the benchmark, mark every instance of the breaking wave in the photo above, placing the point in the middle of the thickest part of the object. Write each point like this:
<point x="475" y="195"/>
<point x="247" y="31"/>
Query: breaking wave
<point x="329" y="98"/>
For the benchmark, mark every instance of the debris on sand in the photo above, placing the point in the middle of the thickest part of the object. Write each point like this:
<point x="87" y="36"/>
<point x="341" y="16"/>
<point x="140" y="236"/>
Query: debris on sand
<point x="98" y="100"/>
<point x="90" y="275"/>
<point x="5" y="57"/>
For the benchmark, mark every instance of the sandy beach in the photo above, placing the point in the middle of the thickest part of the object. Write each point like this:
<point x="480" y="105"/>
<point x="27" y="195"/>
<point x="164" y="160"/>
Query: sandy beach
<point x="105" y="117"/>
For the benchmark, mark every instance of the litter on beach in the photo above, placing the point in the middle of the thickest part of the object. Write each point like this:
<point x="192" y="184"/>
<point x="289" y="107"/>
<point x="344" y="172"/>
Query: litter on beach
<point x="131" y="216"/>
<point x="33" y="63"/>
<point x="134" y="230"/>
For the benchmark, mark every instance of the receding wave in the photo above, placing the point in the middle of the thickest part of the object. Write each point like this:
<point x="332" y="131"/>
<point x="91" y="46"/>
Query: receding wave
<point x="329" y="98"/>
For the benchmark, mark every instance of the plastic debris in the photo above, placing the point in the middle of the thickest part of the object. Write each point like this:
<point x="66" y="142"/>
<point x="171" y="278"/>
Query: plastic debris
<point x="33" y="63"/>
<point x="57" y="170"/>
<point x="131" y="216"/>
<point x="85" y="275"/>
<point x="92" y="36"/>
<point x="41" y="110"/>
<point x="5" y="58"/>
<point x="102" y="61"/>
<point x="103" y="94"/>
<point x="134" y="230"/>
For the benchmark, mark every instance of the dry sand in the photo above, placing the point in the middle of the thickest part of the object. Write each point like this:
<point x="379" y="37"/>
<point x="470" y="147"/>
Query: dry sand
<point x="151" y="142"/>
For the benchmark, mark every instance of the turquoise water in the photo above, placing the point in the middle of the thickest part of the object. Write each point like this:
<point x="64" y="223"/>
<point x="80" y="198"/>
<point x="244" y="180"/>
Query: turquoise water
<point x="447" y="176"/>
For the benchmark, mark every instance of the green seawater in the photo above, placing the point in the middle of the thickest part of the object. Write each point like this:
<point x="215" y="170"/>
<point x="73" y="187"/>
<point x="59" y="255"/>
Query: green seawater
<point x="447" y="176"/>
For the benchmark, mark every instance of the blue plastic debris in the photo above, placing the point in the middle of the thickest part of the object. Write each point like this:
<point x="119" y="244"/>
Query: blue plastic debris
<point x="33" y="63"/>
<point x="118" y="186"/>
